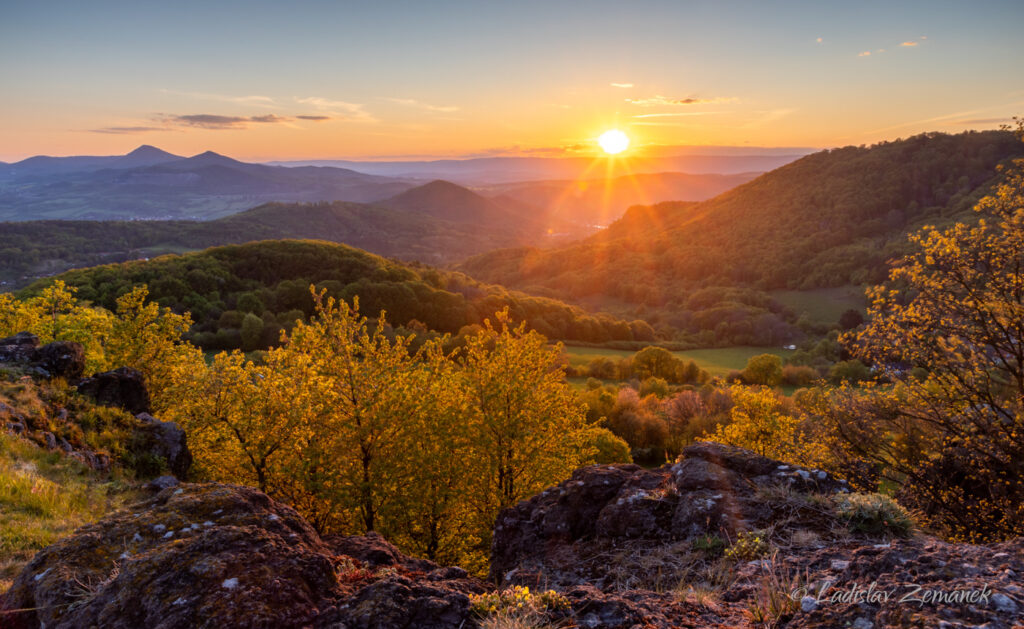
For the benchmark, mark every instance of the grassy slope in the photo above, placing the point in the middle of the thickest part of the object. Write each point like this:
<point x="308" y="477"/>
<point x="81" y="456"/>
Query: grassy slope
<point x="44" y="496"/>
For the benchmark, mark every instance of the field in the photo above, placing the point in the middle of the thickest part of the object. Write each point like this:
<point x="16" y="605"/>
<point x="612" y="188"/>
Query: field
<point x="717" y="362"/>
<point x="823" y="305"/>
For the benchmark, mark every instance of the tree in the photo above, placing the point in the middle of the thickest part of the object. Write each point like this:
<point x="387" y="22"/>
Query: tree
<point x="954" y="308"/>
<point x="759" y="421"/>
<point x="763" y="369"/>
<point x="530" y="430"/>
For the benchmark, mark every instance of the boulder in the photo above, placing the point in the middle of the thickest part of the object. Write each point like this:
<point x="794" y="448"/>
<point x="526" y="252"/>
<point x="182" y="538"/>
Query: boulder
<point x="62" y="359"/>
<point x="18" y="348"/>
<point x="217" y="555"/>
<point x="59" y="359"/>
<point x="123" y="387"/>
<point x="713" y="489"/>
<point x="165" y="440"/>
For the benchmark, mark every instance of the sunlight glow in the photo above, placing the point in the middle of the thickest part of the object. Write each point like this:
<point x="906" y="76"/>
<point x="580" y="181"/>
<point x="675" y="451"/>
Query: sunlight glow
<point x="613" y="141"/>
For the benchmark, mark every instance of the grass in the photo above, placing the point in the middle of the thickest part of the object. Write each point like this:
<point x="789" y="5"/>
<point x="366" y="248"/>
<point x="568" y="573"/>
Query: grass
<point x="45" y="496"/>
<point x="717" y="361"/>
<point x="823" y="305"/>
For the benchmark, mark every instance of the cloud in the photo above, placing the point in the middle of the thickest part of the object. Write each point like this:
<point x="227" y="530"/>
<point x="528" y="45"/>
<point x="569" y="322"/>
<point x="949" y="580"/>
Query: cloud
<point x="661" y="101"/>
<point x="1005" y="120"/>
<point x="269" y="118"/>
<point x="128" y="130"/>
<point x="314" y="118"/>
<point x="866" y="53"/>
<point x="218" y="122"/>
<point x="622" y="85"/>
<point x="677" y="114"/>
<point x="411" y="102"/>
<point x="908" y="44"/>
<point x="819" y="40"/>
<point x="255" y="100"/>
<point x="338" y="109"/>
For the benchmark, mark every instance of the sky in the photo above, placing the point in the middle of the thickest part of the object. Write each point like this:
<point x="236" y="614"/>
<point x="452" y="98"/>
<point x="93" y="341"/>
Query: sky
<point x="407" y="80"/>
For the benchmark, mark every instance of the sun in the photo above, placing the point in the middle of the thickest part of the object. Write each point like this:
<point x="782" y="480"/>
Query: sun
<point x="613" y="141"/>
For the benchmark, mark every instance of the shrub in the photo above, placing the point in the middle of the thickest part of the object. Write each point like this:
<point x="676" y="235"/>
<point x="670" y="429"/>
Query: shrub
<point x="748" y="545"/>
<point x="799" y="375"/>
<point x="874" y="514"/>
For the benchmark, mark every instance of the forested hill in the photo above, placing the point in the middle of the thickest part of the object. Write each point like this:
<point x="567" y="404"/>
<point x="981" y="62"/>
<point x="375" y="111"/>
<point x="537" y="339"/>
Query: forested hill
<point x="829" y="219"/>
<point x="242" y="295"/>
<point x="35" y="248"/>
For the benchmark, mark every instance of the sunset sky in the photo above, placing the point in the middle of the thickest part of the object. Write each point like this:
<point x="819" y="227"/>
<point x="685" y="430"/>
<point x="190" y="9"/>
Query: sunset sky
<point x="294" y="80"/>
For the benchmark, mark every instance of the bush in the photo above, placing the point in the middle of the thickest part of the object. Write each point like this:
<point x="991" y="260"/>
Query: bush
<point x="849" y="371"/>
<point x="763" y="369"/>
<point x="610" y="449"/>
<point x="798" y="375"/>
<point x="748" y="545"/>
<point x="874" y="514"/>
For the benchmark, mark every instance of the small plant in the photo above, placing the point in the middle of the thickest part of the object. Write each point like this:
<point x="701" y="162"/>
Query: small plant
<point x="748" y="545"/>
<point x="773" y="600"/>
<point x="874" y="514"/>
<point x="711" y="545"/>
<point x="517" y="600"/>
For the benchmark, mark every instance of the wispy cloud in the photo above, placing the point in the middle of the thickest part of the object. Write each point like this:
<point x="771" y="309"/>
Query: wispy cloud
<point x="218" y="122"/>
<point x="622" y="85"/>
<point x="254" y="100"/>
<point x="412" y="102"/>
<point x="908" y="44"/>
<point x="866" y="53"/>
<point x="314" y="118"/>
<point x="662" y="101"/>
<point x="676" y="114"/>
<point x="129" y="130"/>
<point x="338" y="109"/>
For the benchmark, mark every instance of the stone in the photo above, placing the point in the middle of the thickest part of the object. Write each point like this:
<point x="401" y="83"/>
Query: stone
<point x="164" y="440"/>
<point x="123" y="387"/>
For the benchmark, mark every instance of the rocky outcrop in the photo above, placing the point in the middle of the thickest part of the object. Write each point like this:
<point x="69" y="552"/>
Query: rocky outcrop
<point x="224" y="556"/>
<point x="163" y="440"/>
<point x="625" y="547"/>
<point x="645" y="548"/>
<point x="713" y="490"/>
<point x="123" y="387"/>
<point x="59" y="359"/>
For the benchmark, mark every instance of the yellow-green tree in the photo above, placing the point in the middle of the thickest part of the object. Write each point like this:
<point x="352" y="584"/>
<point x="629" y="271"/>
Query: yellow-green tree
<point x="529" y="428"/>
<point x="760" y="421"/>
<point x="954" y="311"/>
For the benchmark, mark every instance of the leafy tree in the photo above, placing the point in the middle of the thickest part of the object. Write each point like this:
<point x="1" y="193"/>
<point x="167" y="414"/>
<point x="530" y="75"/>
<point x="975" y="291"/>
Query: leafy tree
<point x="759" y="421"/>
<point x="763" y="369"/>
<point x="954" y="308"/>
<point x="529" y="428"/>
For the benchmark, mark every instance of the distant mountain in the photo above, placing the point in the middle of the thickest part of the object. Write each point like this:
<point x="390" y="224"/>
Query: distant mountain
<point x="149" y="183"/>
<point x="37" y="248"/>
<point x="450" y="202"/>
<point x="830" y="219"/>
<point x="601" y="201"/>
<point x="500" y="170"/>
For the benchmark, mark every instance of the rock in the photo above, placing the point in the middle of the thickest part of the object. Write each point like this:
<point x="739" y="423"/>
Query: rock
<point x="62" y="359"/>
<point x="162" y="482"/>
<point x="18" y="348"/>
<point x="1004" y="603"/>
<point x="375" y="551"/>
<point x="164" y="440"/>
<point x="808" y="604"/>
<point x="712" y="490"/>
<point x="123" y="387"/>
<point x="235" y="558"/>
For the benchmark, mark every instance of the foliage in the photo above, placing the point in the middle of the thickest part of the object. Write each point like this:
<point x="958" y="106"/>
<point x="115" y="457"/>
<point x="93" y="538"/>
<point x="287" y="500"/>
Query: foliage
<point x="763" y="369"/>
<point x="760" y="421"/>
<point x="748" y="545"/>
<point x="874" y="514"/>
<point x="517" y="599"/>
<point x="954" y="310"/>
<point x="241" y="296"/>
